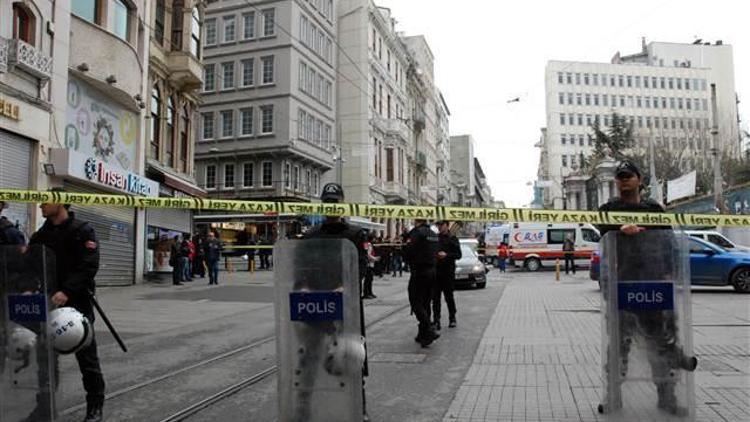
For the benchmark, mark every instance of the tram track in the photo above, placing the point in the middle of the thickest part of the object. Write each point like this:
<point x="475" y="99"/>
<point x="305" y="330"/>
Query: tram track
<point x="238" y="353"/>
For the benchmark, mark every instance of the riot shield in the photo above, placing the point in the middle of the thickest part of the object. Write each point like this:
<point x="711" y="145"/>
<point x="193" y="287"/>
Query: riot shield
<point x="647" y="354"/>
<point x="320" y="350"/>
<point x="27" y="360"/>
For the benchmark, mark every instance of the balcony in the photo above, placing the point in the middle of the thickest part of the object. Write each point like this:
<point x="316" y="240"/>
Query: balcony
<point x="421" y="160"/>
<point x="4" y="47"/>
<point x="395" y="192"/>
<point x="26" y="57"/>
<point x="419" y="120"/>
<point x="185" y="70"/>
<point x="398" y="129"/>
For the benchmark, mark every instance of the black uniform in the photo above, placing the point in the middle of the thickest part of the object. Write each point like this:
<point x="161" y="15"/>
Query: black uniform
<point x="446" y="274"/>
<point x="420" y="252"/>
<point x="76" y="251"/>
<point x="657" y="328"/>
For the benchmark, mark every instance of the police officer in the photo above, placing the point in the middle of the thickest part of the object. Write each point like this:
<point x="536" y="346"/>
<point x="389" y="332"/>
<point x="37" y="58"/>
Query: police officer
<point x="9" y="233"/>
<point x="76" y="251"/>
<point x="421" y="254"/>
<point x="449" y="250"/>
<point x="336" y="228"/>
<point x="657" y="327"/>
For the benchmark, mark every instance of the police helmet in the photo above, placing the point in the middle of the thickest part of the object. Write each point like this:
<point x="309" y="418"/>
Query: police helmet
<point x="627" y="168"/>
<point x="345" y="355"/>
<point x="70" y="330"/>
<point x="332" y="192"/>
<point x="21" y="342"/>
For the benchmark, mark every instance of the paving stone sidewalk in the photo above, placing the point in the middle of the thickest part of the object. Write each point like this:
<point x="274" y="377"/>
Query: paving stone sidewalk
<point x="539" y="359"/>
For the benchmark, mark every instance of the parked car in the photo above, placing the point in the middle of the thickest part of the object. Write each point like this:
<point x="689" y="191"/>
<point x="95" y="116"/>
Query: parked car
<point x="717" y="239"/>
<point x="710" y="265"/>
<point x="470" y="271"/>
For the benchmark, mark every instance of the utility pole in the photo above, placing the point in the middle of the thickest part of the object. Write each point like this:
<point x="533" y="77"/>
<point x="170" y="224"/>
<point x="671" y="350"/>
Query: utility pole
<point x="715" y="151"/>
<point x="654" y="184"/>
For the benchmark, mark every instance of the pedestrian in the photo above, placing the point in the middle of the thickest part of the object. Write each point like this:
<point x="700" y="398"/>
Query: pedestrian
<point x="337" y="228"/>
<point x="502" y="256"/>
<point x="76" y="251"/>
<point x="264" y="254"/>
<point x="175" y="262"/>
<point x="569" y="249"/>
<point x="212" y="251"/>
<point x="404" y="237"/>
<point x="184" y="255"/>
<point x="420" y="252"/>
<point x="370" y="270"/>
<point x="449" y="250"/>
<point x="633" y="264"/>
<point x="397" y="258"/>
<point x="191" y="258"/>
<point x="9" y="233"/>
<point x="199" y="266"/>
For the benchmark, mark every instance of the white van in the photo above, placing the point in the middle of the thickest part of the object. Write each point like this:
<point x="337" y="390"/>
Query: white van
<point x="717" y="239"/>
<point x="533" y="244"/>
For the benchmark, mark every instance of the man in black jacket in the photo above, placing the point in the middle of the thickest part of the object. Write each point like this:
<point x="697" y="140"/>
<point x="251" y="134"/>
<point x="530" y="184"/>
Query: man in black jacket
<point x="77" y="262"/>
<point x="421" y="254"/>
<point x="449" y="250"/>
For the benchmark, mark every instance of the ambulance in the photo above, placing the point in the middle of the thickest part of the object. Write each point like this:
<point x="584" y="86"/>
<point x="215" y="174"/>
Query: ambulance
<point x="534" y="245"/>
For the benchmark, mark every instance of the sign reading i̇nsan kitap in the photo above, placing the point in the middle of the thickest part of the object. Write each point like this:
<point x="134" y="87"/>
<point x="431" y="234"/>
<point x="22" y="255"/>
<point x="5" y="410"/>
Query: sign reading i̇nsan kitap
<point x="655" y="296"/>
<point x="316" y="306"/>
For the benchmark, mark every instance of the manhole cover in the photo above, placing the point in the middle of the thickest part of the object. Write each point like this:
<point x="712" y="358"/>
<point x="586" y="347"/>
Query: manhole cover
<point x="397" y="357"/>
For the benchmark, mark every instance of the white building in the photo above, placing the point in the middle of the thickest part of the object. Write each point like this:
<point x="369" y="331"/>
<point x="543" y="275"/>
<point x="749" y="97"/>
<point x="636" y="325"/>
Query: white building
<point x="667" y="100"/>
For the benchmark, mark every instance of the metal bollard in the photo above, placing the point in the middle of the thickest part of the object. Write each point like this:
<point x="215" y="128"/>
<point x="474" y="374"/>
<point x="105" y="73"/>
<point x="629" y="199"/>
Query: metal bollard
<point x="557" y="269"/>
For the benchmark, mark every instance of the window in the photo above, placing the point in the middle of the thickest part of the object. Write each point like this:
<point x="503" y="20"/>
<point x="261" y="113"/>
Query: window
<point x="295" y="178"/>
<point x="229" y="29"/>
<point x="195" y="33"/>
<point x="578" y="99"/>
<point x="208" y="126"/>
<point x="248" y="28"/>
<point x="570" y="98"/>
<point x="211" y="177"/>
<point x="248" y="176"/>
<point x="569" y="78"/>
<point x="227" y="124"/>
<point x="210" y="31"/>
<point x="671" y="103"/>
<point x="580" y="120"/>
<point x="647" y="100"/>
<point x="248" y="74"/>
<point x="227" y="75"/>
<point x="605" y="100"/>
<point x="679" y="103"/>
<point x="267" y="69"/>
<point x="266" y="114"/>
<point x="578" y="78"/>
<point x="679" y="83"/>
<point x="177" y="6"/>
<point x="580" y="140"/>
<point x="662" y="83"/>
<point x="560" y="77"/>
<point x="119" y="16"/>
<point x="562" y="119"/>
<point x="596" y="99"/>
<point x="564" y="160"/>
<point x="169" y="156"/>
<point x="585" y="78"/>
<point x="269" y="28"/>
<point x="155" y="122"/>
<point x="267" y="170"/>
<point x="159" y="20"/>
<point x="595" y="78"/>
<point x="704" y="104"/>
<point x="88" y="10"/>
<point x="246" y="117"/>
<point x="571" y="119"/>
<point x="561" y="98"/>
<point x="589" y="235"/>
<point x="563" y="138"/>
<point x="620" y="80"/>
<point x="209" y="77"/>
<point x="637" y="81"/>
<point x="670" y="82"/>
<point x="287" y="175"/>
<point x="604" y="79"/>
<point x="645" y="81"/>
<point x="229" y="176"/>
<point x="638" y="102"/>
<point x="558" y="236"/>
<point x="389" y="164"/>
<point x="687" y="84"/>
<point x="630" y="81"/>
<point x="184" y="139"/>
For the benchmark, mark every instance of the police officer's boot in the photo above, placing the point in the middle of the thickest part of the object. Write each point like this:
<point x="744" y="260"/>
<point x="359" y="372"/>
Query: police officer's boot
<point x="428" y="335"/>
<point x="94" y="413"/>
<point x="668" y="399"/>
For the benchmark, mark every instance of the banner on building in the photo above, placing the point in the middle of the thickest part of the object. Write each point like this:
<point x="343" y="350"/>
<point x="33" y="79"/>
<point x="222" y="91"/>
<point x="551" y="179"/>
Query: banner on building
<point x="682" y="187"/>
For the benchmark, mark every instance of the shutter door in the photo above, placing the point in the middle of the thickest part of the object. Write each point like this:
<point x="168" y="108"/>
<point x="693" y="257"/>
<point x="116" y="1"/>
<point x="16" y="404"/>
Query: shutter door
<point x="15" y="173"/>
<point x="171" y="219"/>
<point x="115" y="232"/>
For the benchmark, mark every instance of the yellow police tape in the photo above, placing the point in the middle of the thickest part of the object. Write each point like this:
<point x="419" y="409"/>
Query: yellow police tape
<point x="406" y="212"/>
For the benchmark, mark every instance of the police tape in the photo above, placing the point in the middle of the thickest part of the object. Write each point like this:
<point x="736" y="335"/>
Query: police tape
<point x="400" y="212"/>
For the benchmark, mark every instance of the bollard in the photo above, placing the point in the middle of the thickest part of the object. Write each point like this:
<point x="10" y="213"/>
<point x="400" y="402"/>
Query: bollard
<point x="557" y="269"/>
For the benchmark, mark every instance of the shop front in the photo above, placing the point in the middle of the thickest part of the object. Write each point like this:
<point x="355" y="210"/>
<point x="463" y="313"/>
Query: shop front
<point x="15" y="173"/>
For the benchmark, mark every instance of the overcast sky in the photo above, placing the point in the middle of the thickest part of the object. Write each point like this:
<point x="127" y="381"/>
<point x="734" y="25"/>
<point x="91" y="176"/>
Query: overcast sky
<point x="488" y="52"/>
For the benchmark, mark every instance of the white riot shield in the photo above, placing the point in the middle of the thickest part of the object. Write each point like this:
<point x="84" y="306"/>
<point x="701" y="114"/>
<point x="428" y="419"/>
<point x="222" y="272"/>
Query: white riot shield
<point x="27" y="360"/>
<point x="320" y="350"/>
<point x="646" y="327"/>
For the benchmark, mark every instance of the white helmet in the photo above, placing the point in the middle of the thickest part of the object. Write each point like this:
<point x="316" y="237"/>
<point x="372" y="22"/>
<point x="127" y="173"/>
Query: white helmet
<point x="22" y="342"/>
<point x="345" y="354"/>
<point x="70" y="331"/>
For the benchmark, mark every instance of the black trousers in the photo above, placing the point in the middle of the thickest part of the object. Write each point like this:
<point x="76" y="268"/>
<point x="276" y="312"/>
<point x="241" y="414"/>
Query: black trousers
<point x="369" y="276"/>
<point x="570" y="262"/>
<point x="421" y="284"/>
<point x="444" y="287"/>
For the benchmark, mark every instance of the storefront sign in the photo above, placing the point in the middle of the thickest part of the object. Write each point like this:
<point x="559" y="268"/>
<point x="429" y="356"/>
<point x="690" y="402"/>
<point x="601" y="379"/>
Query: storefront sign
<point x="71" y="164"/>
<point x="9" y="110"/>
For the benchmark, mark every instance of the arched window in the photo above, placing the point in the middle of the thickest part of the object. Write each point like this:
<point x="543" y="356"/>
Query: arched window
<point x="195" y="33"/>
<point x="184" y="139"/>
<point x="155" y="122"/>
<point x="169" y="156"/>
<point x="24" y="24"/>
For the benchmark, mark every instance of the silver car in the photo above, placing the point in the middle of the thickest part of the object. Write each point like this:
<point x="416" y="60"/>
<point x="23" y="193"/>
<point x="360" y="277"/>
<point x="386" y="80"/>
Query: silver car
<point x="470" y="272"/>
